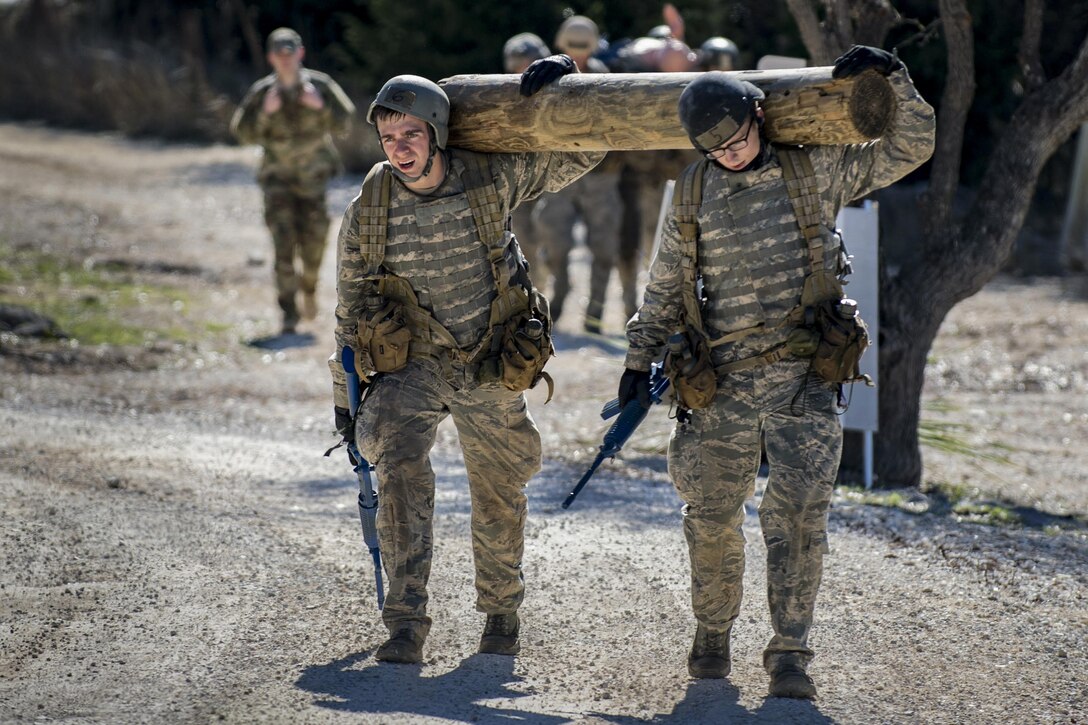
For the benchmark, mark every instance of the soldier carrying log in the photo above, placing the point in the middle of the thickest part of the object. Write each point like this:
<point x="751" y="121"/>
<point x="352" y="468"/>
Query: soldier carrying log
<point x="749" y="251"/>
<point x="436" y="303"/>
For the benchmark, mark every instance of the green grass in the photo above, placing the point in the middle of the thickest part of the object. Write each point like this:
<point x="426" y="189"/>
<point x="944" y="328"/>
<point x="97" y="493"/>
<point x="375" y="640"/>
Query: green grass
<point x="96" y="306"/>
<point x="877" y="497"/>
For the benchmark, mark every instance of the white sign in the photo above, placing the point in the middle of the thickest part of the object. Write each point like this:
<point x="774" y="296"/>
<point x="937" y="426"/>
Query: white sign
<point x="780" y="62"/>
<point x="666" y="202"/>
<point x="860" y="235"/>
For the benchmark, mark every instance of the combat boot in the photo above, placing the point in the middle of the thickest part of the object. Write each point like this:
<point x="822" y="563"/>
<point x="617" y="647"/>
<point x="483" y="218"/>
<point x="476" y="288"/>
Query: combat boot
<point x="405" y="647"/>
<point x="709" y="657"/>
<point x="501" y="635"/>
<point x="791" y="680"/>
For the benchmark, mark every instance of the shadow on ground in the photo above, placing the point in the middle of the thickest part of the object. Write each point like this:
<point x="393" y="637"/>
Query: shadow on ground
<point x="716" y="701"/>
<point x="283" y="342"/>
<point x="359" y="684"/>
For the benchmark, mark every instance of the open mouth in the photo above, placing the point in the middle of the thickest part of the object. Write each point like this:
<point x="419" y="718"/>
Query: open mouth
<point x="406" y="165"/>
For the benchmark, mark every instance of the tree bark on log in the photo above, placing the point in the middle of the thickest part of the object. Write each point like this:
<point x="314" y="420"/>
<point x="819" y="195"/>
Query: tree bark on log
<point x="638" y="111"/>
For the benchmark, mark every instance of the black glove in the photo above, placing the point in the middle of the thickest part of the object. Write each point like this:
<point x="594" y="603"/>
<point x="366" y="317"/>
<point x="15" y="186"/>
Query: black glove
<point x="863" y="57"/>
<point x="544" y="71"/>
<point x="635" y="385"/>
<point x="345" y="424"/>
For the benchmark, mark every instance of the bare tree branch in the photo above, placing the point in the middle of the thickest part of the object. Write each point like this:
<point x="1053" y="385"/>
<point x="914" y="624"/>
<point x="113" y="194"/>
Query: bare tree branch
<point x="838" y="30"/>
<point x="1044" y="121"/>
<point x="1030" y="65"/>
<point x="249" y="32"/>
<point x="956" y="100"/>
<point x="873" y="19"/>
<point x="812" y="34"/>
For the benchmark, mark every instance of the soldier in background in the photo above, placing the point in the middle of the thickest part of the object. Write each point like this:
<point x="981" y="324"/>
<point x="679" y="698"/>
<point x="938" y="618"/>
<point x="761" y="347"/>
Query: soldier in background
<point x="594" y="199"/>
<point x="518" y="53"/>
<point x="292" y="114"/>
<point x="644" y="173"/>
<point x="443" y="317"/>
<point x="758" y="233"/>
<point x="718" y="53"/>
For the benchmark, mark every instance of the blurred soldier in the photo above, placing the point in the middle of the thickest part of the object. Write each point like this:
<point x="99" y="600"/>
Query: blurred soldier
<point x="719" y="53"/>
<point x="521" y="50"/>
<point x="435" y="303"/>
<point x="644" y="173"/>
<point x="517" y="54"/>
<point x="594" y="199"/>
<point x="292" y="113"/>
<point x="579" y="38"/>
<point x="748" y="246"/>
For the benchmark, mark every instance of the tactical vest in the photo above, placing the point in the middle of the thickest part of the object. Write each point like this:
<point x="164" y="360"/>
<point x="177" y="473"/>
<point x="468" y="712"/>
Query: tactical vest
<point x="514" y="296"/>
<point x="820" y="283"/>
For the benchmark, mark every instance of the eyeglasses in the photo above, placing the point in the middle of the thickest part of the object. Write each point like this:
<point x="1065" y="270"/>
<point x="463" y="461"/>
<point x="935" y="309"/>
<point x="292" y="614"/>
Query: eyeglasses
<point x="735" y="147"/>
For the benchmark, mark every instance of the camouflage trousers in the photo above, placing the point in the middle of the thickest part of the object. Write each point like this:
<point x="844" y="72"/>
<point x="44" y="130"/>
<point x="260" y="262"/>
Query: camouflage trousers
<point x="595" y="199"/>
<point x="714" y="459"/>
<point x="299" y="224"/>
<point x="395" y="431"/>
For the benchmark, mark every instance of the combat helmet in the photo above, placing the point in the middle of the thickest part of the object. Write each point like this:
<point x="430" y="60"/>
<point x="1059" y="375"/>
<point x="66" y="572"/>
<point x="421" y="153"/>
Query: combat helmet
<point x="524" y="47"/>
<point x="714" y="106"/>
<point x="713" y="50"/>
<point x="578" y="34"/>
<point x="417" y="97"/>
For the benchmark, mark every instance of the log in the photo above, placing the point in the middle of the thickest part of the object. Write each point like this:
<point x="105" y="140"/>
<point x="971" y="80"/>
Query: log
<point x="638" y="111"/>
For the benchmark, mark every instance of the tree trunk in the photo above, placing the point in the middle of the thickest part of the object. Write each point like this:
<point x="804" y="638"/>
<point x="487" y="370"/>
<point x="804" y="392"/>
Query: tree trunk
<point x="909" y="321"/>
<point x="637" y="111"/>
<point x="960" y="258"/>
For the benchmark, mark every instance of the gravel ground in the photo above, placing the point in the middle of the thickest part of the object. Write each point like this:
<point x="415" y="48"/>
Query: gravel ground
<point x="176" y="549"/>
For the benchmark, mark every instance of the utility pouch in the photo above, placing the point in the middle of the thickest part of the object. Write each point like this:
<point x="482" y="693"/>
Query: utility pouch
<point x="525" y="350"/>
<point x="690" y="370"/>
<point x="843" y="340"/>
<point x="386" y="336"/>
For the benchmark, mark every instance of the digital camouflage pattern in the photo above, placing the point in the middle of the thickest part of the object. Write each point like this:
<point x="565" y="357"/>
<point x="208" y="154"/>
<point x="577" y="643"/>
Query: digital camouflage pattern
<point x="753" y="260"/>
<point x="299" y="158"/>
<point x="595" y="199"/>
<point x="395" y="431"/>
<point x="433" y="243"/>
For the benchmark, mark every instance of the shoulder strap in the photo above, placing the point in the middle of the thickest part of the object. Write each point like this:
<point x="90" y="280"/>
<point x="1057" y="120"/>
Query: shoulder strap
<point x="686" y="199"/>
<point x="804" y="193"/>
<point x="374" y="216"/>
<point x="483" y="198"/>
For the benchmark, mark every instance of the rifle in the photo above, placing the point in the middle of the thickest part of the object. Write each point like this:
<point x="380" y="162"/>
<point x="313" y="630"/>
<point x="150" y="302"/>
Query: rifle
<point x="368" y="497"/>
<point x="630" y="417"/>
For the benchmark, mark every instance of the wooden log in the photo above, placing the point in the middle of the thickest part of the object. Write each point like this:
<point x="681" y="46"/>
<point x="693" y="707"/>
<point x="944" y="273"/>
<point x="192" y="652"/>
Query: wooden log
<point x="638" y="111"/>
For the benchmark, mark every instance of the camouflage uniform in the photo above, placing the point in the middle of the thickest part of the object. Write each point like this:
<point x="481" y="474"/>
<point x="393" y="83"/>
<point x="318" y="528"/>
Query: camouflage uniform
<point x="433" y="243"/>
<point x="595" y="199"/>
<point x="753" y="260"/>
<point x="642" y="184"/>
<point x="299" y="158"/>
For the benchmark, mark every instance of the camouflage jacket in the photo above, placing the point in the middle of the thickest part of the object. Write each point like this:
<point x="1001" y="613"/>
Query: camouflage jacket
<point x="432" y="242"/>
<point x="751" y="254"/>
<point x="297" y="140"/>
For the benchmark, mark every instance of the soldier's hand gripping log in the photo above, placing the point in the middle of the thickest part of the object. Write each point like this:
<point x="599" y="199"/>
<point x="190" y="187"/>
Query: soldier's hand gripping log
<point x="630" y="417"/>
<point x="368" y="497"/>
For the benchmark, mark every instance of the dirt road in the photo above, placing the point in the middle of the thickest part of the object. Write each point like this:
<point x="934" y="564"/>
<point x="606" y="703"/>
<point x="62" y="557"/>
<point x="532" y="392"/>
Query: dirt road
<point x="176" y="549"/>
